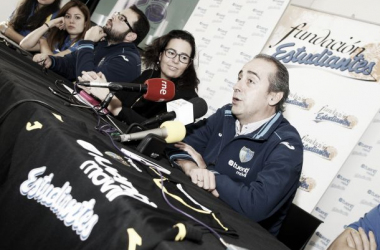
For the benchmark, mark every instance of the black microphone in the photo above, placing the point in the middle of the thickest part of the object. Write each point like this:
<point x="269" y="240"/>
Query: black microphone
<point x="199" y="109"/>
<point x="115" y="86"/>
<point x="154" y="89"/>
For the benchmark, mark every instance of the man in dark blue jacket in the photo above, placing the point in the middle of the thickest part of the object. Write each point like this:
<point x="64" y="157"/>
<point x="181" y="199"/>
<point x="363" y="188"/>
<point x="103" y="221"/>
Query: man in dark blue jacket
<point x="362" y="234"/>
<point x="247" y="153"/>
<point x="117" y="57"/>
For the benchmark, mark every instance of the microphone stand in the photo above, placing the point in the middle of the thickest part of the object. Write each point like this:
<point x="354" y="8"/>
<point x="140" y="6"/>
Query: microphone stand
<point x="104" y="104"/>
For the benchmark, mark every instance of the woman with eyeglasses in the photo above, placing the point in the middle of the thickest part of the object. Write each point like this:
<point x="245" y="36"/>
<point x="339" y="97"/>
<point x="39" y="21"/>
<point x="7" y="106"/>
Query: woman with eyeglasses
<point x="28" y="16"/>
<point x="169" y="57"/>
<point x="63" y="32"/>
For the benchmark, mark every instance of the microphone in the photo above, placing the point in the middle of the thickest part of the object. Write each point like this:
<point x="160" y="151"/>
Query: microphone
<point x="154" y="89"/>
<point x="171" y="131"/>
<point x="179" y="108"/>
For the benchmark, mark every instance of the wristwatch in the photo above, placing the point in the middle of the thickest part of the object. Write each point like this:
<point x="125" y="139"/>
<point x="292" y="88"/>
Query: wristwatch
<point x="4" y="29"/>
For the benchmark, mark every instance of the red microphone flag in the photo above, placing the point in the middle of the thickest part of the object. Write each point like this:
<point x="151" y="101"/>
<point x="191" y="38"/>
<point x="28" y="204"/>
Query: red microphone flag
<point x="159" y="90"/>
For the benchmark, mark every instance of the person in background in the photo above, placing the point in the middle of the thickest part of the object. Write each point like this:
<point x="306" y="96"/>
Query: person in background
<point x="361" y="235"/>
<point x="117" y="56"/>
<point x="64" y="31"/>
<point x="247" y="153"/>
<point x="28" y="16"/>
<point x="171" y="57"/>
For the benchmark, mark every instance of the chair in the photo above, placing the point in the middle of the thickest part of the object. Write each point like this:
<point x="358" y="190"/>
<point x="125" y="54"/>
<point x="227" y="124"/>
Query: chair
<point x="297" y="228"/>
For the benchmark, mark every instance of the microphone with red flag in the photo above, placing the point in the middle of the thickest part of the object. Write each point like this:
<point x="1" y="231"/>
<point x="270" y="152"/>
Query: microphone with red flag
<point x="154" y="89"/>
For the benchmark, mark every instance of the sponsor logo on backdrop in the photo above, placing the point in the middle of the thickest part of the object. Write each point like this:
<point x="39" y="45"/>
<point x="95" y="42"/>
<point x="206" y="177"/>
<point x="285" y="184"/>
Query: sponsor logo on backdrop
<point x="326" y="114"/>
<point x="307" y="183"/>
<point x="321" y="213"/>
<point x="343" y="180"/>
<point x="369" y="203"/>
<point x="224" y="66"/>
<point x="221" y="34"/>
<point x="319" y="148"/>
<point x="79" y="215"/>
<point x="240" y="40"/>
<point x="369" y="171"/>
<point x="211" y="91"/>
<point x="374" y="195"/>
<point x="337" y="186"/>
<point x="207" y="57"/>
<point x="339" y="211"/>
<point x="263" y="30"/>
<point x="202" y="27"/>
<point x="223" y="50"/>
<point x="209" y="74"/>
<point x="238" y="24"/>
<point x="243" y="58"/>
<point x="235" y="8"/>
<point x="346" y="205"/>
<point x="219" y="18"/>
<point x="216" y="3"/>
<point x="324" y="240"/>
<point x="316" y="245"/>
<point x="358" y="153"/>
<point x="229" y="83"/>
<point x="300" y="101"/>
<point x="365" y="147"/>
<point x="200" y="11"/>
<point x="205" y="40"/>
<point x="241" y="171"/>
<point x="362" y="177"/>
<point x="355" y="63"/>
<point x="258" y="12"/>
<point x="100" y="172"/>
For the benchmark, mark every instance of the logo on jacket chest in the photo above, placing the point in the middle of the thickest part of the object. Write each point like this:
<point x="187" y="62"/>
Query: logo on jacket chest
<point x="245" y="154"/>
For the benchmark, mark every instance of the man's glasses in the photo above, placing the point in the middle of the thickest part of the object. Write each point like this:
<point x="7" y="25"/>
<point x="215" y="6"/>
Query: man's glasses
<point x="183" y="58"/>
<point x="123" y="18"/>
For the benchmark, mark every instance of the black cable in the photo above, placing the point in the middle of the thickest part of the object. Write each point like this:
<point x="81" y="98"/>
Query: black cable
<point x="10" y="109"/>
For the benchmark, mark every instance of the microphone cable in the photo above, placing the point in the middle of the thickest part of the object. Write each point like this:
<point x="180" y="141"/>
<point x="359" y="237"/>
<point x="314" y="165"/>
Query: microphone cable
<point x="13" y="106"/>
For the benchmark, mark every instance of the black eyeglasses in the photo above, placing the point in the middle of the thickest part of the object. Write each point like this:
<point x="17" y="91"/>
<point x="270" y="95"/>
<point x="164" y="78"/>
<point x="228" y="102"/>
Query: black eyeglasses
<point x="123" y="18"/>
<point x="183" y="58"/>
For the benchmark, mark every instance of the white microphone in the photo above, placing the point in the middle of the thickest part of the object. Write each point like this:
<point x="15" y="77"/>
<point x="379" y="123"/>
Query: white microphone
<point x="181" y="110"/>
<point x="171" y="131"/>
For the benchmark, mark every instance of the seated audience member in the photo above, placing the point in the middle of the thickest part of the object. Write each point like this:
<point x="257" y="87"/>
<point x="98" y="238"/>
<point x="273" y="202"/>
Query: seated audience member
<point x="362" y="234"/>
<point x="28" y="16"/>
<point x="117" y="57"/>
<point x="64" y="31"/>
<point x="169" y="57"/>
<point x="247" y="153"/>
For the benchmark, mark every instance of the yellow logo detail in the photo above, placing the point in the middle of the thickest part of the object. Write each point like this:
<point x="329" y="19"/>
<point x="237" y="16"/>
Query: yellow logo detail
<point x="181" y="232"/>
<point x="36" y="125"/>
<point x="58" y="117"/>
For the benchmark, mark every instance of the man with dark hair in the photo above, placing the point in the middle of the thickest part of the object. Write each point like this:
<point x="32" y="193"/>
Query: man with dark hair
<point x="247" y="153"/>
<point x="117" y="57"/>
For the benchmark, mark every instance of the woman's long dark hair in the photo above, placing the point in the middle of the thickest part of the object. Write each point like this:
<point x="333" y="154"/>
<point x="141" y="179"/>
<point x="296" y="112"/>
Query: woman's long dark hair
<point x="57" y="36"/>
<point x="21" y="20"/>
<point x="152" y="52"/>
